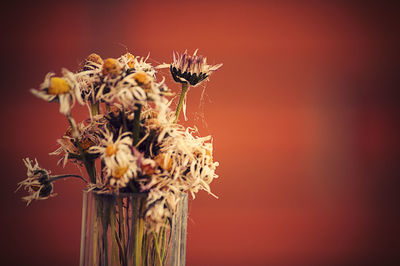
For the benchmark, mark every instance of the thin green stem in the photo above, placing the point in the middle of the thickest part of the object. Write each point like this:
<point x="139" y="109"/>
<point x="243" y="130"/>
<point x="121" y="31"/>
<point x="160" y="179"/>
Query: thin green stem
<point x="157" y="248"/>
<point x="124" y="122"/>
<point x="54" y="178"/>
<point x="122" y="229"/>
<point x="163" y="239"/>
<point x="136" y="124"/>
<point x="185" y="88"/>
<point x="95" y="108"/>
<point x="138" y="236"/>
<point x="90" y="166"/>
<point x="116" y="242"/>
<point x="102" y="165"/>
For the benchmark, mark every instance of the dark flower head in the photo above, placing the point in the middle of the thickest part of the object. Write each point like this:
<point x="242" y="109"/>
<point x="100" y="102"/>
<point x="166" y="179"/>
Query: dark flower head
<point x="191" y="69"/>
<point x="37" y="183"/>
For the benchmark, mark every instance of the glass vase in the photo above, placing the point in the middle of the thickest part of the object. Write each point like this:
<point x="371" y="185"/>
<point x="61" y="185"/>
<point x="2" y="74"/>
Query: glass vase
<point x="115" y="233"/>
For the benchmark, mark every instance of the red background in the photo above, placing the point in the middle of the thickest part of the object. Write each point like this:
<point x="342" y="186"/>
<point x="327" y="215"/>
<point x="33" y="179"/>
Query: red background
<point x="303" y="115"/>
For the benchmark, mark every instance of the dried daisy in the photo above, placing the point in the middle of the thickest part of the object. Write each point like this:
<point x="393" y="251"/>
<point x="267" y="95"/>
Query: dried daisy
<point x="191" y="69"/>
<point x="112" y="151"/>
<point x="188" y="70"/>
<point x="60" y="89"/>
<point x="39" y="182"/>
<point x="70" y="145"/>
<point x="120" y="173"/>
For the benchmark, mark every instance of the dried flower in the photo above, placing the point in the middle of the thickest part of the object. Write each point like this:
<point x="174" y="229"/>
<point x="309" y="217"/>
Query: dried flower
<point x="191" y="69"/>
<point x="112" y="151"/>
<point x="94" y="58"/>
<point x="87" y="138"/>
<point x="120" y="172"/>
<point x="37" y="183"/>
<point x="61" y="89"/>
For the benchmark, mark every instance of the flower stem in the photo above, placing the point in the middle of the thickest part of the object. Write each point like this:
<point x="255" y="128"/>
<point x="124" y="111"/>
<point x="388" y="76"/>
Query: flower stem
<point x="123" y="119"/>
<point x="136" y="124"/>
<point x="157" y="248"/>
<point x="89" y="164"/>
<point x="95" y="108"/>
<point x="185" y="88"/>
<point x="54" y="178"/>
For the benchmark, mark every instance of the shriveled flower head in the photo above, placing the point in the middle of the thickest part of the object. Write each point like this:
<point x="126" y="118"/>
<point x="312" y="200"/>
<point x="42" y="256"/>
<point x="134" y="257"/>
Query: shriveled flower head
<point x="188" y="158"/>
<point x="87" y="138"/>
<point x="37" y="183"/>
<point x="93" y="61"/>
<point x="191" y="69"/>
<point x="94" y="58"/>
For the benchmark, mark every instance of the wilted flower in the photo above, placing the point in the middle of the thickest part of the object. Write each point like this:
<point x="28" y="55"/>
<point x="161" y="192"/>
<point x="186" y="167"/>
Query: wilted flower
<point x="37" y="183"/>
<point x="87" y="138"/>
<point x="94" y="58"/>
<point x="192" y="69"/>
<point x="61" y="89"/>
<point x="111" y="150"/>
<point x="120" y="172"/>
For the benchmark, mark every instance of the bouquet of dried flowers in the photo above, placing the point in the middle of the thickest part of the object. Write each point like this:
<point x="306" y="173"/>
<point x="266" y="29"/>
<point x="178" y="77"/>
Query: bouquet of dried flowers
<point x="132" y="141"/>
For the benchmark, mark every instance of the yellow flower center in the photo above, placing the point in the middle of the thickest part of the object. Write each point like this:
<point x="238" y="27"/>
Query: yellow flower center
<point x="119" y="172"/>
<point x="111" y="150"/>
<point x="111" y="67"/>
<point x="58" y="86"/>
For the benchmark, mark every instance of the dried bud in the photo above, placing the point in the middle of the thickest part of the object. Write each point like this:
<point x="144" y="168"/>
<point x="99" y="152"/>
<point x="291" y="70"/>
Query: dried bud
<point x="95" y="58"/>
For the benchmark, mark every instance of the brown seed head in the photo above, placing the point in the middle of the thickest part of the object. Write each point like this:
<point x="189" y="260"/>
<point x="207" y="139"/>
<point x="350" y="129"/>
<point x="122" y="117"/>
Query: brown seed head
<point x="95" y="58"/>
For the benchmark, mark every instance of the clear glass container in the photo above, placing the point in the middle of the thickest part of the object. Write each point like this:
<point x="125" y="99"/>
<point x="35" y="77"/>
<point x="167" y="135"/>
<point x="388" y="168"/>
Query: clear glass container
<point x="114" y="232"/>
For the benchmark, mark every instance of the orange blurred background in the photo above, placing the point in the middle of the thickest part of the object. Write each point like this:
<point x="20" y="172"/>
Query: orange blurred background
<point x="303" y="115"/>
